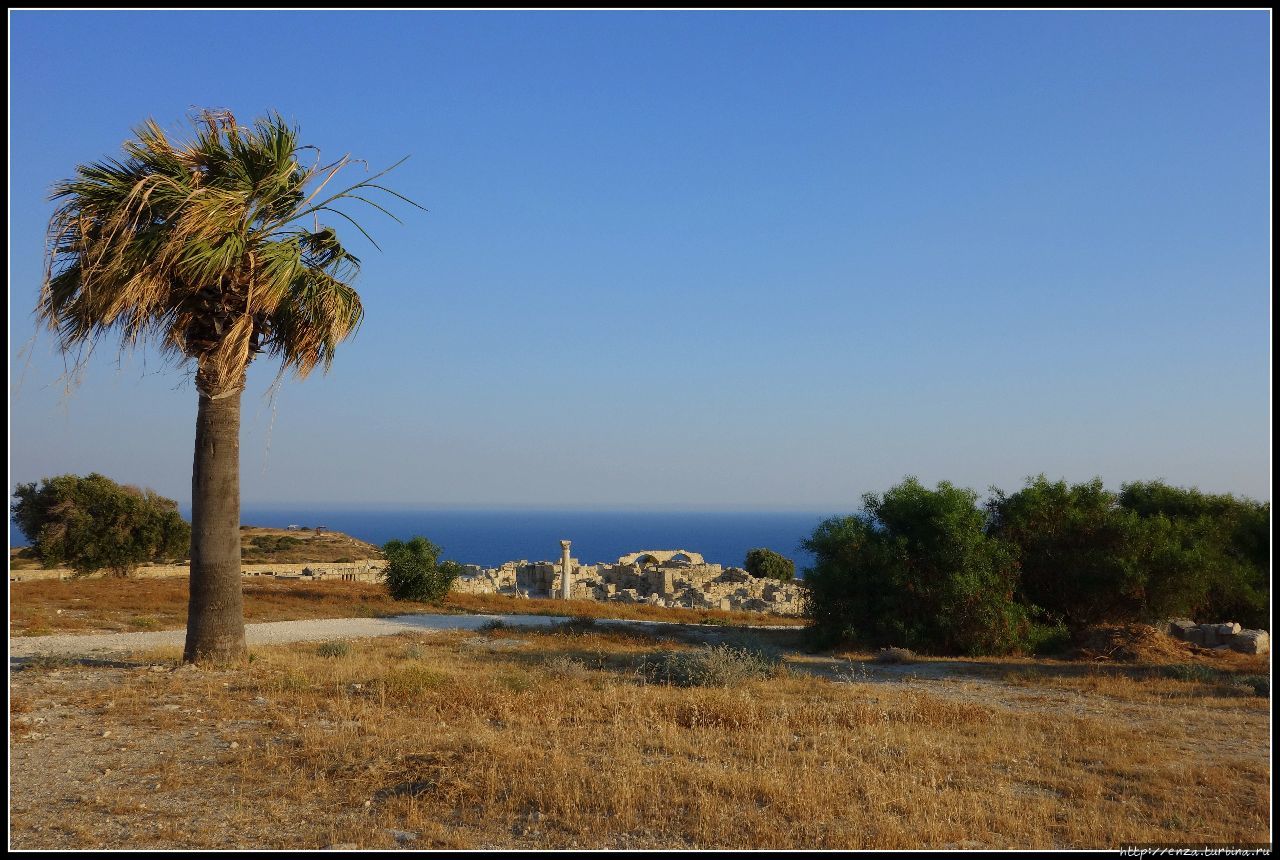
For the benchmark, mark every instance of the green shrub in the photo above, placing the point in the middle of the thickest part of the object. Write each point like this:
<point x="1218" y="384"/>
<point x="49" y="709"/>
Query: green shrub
<point x="1088" y="560"/>
<point x="1231" y="540"/>
<point x="709" y="666"/>
<point x="1048" y="638"/>
<point x="413" y="571"/>
<point x="576" y="626"/>
<point x="337" y="648"/>
<point x="275" y="543"/>
<point x="767" y="563"/>
<point x="92" y="523"/>
<point x="917" y="569"/>
<point x="1191" y="672"/>
<point x="1260" y="684"/>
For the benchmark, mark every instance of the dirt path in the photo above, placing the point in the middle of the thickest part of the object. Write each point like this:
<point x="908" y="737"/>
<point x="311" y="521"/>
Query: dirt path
<point x="280" y="632"/>
<point x="266" y="633"/>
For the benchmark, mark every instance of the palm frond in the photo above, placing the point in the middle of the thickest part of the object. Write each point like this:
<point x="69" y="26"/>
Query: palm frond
<point x="195" y="244"/>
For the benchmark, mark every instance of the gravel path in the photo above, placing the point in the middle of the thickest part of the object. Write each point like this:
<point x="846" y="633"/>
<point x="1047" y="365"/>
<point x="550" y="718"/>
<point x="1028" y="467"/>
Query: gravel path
<point x="268" y="633"/>
<point x="278" y="632"/>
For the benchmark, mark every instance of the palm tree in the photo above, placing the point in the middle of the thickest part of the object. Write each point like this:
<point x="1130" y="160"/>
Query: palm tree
<point x="211" y="248"/>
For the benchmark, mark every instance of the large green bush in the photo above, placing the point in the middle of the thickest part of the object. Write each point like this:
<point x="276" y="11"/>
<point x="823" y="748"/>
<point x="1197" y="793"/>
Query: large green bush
<point x="1086" y="559"/>
<point x="767" y="563"/>
<point x="916" y="568"/>
<point x="92" y="523"/>
<point x="414" y="572"/>
<point x="1231" y="538"/>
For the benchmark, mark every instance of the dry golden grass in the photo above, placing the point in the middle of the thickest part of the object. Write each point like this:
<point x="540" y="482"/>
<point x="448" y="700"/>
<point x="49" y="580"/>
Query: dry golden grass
<point x="552" y="740"/>
<point x="50" y="606"/>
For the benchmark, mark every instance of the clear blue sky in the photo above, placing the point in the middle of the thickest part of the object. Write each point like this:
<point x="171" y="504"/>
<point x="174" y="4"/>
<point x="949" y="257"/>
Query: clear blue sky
<point x="706" y="260"/>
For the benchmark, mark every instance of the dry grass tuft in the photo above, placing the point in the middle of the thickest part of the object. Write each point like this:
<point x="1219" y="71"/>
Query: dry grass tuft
<point x="709" y="666"/>
<point x="1130" y="643"/>
<point x="895" y="655"/>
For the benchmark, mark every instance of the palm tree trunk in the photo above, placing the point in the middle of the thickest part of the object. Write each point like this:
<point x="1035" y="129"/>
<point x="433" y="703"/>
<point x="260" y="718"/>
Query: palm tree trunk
<point x="215" y="612"/>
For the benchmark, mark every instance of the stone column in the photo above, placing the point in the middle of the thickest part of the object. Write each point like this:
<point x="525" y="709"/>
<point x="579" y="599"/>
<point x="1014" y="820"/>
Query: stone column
<point x="564" y="569"/>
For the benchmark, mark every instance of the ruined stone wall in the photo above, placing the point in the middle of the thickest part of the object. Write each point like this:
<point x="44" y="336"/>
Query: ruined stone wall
<point x="694" y="586"/>
<point x="358" y="571"/>
<point x="1227" y="635"/>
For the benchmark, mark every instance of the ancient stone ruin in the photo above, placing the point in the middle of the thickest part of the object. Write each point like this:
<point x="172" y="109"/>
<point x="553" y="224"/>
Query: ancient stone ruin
<point x="1228" y="635"/>
<point x="656" y="577"/>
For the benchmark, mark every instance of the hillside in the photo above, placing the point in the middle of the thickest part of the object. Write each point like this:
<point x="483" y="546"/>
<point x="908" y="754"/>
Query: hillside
<point x="260" y="545"/>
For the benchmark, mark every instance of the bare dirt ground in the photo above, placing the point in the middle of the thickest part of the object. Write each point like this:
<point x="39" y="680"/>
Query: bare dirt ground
<point x="545" y="737"/>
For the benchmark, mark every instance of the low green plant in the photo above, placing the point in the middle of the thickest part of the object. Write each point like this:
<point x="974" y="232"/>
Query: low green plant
<point x="337" y="648"/>
<point x="721" y="665"/>
<point x="1260" y="684"/>
<point x="1191" y="672"/>
<point x="410" y="680"/>
<point x="576" y="626"/>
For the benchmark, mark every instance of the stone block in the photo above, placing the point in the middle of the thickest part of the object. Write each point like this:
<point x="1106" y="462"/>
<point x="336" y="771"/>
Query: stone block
<point x="1179" y="626"/>
<point x="1195" y="636"/>
<point x="1225" y="631"/>
<point x="1208" y="635"/>
<point x="1251" y="642"/>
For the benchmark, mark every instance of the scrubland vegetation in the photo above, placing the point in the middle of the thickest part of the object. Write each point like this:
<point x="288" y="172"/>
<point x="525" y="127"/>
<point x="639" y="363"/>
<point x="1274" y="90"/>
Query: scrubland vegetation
<point x="569" y="738"/>
<point x="933" y="570"/>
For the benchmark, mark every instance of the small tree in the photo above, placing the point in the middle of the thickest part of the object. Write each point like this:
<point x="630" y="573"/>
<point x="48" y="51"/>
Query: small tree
<point x="92" y="523"/>
<point x="916" y="569"/>
<point x="413" y="571"/>
<point x="767" y="563"/>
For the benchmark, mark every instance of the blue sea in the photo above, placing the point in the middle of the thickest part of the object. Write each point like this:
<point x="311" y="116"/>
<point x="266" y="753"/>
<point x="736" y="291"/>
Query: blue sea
<point x="490" y="537"/>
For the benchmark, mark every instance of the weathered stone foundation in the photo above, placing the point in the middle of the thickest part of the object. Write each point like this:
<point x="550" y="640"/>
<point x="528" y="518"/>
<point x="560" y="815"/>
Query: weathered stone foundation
<point x="642" y="578"/>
